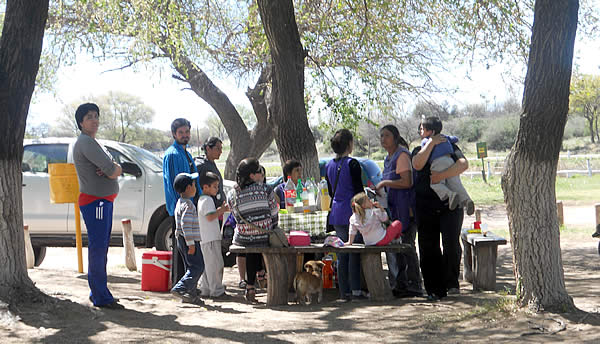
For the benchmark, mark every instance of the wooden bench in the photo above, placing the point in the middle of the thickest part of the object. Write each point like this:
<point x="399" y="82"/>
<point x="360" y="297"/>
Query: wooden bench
<point x="479" y="258"/>
<point x="281" y="267"/>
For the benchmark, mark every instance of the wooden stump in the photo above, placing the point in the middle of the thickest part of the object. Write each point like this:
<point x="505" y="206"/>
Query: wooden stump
<point x="277" y="288"/>
<point x="484" y="265"/>
<point x="374" y="276"/>
<point x="467" y="262"/>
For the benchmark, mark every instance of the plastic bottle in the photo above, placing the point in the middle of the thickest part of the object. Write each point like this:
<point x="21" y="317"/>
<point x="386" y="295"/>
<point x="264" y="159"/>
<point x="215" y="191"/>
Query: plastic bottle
<point x="324" y="195"/>
<point x="305" y="201"/>
<point x="299" y="188"/>
<point x="328" y="272"/>
<point x="298" y="206"/>
<point x="290" y="194"/>
<point x="311" y="189"/>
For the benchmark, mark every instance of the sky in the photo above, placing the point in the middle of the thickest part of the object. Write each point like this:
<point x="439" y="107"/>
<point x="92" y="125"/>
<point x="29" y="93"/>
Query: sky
<point x="170" y="99"/>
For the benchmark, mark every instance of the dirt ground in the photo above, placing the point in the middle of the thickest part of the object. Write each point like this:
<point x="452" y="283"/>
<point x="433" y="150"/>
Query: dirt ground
<point x="68" y="317"/>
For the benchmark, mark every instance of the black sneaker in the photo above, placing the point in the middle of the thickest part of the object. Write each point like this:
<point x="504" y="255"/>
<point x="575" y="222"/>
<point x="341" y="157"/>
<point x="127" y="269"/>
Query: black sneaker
<point x="359" y="298"/>
<point x="183" y="295"/>
<point x="344" y="299"/>
<point x="453" y="291"/>
<point x="433" y="297"/>
<point x="597" y="234"/>
<point x="112" y="305"/>
<point x="400" y="293"/>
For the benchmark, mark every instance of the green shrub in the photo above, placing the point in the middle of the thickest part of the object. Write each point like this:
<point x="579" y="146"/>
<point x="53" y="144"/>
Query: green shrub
<point x="501" y="132"/>
<point x="467" y="129"/>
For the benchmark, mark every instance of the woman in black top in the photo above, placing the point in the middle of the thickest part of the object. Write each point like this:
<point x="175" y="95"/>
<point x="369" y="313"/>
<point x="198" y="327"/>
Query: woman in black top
<point x="440" y="270"/>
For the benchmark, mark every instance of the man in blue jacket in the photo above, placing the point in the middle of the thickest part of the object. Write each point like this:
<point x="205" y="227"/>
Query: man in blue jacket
<point x="175" y="161"/>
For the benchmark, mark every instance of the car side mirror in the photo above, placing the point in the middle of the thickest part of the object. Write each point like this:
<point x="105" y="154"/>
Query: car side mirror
<point x="25" y="167"/>
<point x="131" y="168"/>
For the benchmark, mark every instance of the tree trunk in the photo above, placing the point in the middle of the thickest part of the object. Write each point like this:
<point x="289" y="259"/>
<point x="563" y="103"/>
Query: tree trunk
<point x="244" y="143"/>
<point x="20" y="49"/>
<point x="529" y="179"/>
<point x="287" y="115"/>
<point x="591" y="124"/>
<point x="596" y="129"/>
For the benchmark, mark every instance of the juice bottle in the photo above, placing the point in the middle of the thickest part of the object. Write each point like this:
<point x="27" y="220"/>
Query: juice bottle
<point x="324" y="195"/>
<point x="328" y="272"/>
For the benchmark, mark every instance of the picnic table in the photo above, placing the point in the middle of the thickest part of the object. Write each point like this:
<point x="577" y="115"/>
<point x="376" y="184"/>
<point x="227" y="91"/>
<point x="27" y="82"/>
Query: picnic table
<point x="479" y="258"/>
<point x="281" y="267"/>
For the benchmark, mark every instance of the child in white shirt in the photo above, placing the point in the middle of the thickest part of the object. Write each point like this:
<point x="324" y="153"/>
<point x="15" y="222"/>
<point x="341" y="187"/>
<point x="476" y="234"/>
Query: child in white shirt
<point x="211" y="283"/>
<point x="367" y="218"/>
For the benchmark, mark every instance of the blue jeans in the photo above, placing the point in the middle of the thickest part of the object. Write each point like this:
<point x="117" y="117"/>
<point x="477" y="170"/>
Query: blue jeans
<point x="194" y="267"/>
<point x="348" y="263"/>
<point x="98" y="221"/>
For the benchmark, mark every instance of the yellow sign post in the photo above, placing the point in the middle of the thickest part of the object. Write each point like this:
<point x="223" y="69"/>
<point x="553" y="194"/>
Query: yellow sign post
<point x="482" y="153"/>
<point x="64" y="188"/>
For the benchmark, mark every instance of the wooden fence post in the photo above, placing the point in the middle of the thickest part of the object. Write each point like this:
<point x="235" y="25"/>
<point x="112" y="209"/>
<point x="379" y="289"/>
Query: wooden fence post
<point x="560" y="213"/>
<point x="29" y="255"/>
<point x="128" y="245"/>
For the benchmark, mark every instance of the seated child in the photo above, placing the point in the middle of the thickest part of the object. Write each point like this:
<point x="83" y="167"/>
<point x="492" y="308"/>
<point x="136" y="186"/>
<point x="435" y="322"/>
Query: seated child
<point x="450" y="189"/>
<point x="293" y="169"/>
<point x="211" y="283"/>
<point x="367" y="218"/>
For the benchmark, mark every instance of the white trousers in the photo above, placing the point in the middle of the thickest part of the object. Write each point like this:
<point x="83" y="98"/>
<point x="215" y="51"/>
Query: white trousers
<point x="211" y="282"/>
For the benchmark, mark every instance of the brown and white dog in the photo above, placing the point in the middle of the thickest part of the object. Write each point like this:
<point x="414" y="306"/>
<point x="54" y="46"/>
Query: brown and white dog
<point x="309" y="282"/>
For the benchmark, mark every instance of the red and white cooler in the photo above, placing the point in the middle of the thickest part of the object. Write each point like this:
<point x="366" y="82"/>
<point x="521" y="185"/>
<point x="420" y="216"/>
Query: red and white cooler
<point x="156" y="271"/>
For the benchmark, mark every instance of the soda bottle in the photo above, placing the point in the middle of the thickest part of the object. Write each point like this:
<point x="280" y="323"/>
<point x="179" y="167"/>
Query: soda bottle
<point x="290" y="194"/>
<point x="299" y="188"/>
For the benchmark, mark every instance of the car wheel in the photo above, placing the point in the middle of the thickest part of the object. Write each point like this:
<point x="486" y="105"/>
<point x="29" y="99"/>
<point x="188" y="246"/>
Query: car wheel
<point x="163" y="236"/>
<point x="39" y="252"/>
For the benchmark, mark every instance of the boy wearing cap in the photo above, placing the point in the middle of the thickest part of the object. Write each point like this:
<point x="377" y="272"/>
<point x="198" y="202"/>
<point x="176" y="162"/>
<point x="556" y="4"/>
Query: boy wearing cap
<point x="187" y="231"/>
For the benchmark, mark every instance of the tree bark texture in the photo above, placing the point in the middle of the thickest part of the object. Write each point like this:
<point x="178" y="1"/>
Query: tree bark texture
<point x="529" y="180"/>
<point x="20" y="49"/>
<point x="287" y="114"/>
<point x="244" y="143"/>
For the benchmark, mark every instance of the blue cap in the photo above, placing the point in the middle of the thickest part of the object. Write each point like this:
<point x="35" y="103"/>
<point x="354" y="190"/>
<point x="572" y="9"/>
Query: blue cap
<point x="182" y="180"/>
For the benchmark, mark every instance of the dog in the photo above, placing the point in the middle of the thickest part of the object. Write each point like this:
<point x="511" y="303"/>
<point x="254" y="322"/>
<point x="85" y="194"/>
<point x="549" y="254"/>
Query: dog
<point x="309" y="282"/>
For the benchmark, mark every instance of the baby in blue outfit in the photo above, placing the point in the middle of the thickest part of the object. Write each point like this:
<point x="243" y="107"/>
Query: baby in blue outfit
<point x="440" y="159"/>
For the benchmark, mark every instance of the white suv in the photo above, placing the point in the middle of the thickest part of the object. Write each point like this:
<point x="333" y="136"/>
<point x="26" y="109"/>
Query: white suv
<point x="141" y="197"/>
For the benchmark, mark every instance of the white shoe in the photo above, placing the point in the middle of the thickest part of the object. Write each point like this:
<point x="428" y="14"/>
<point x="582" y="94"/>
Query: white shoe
<point x="453" y="201"/>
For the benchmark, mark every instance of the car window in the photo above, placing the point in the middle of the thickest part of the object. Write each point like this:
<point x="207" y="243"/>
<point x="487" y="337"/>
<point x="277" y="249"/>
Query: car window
<point x="37" y="157"/>
<point x="119" y="157"/>
<point x="147" y="158"/>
